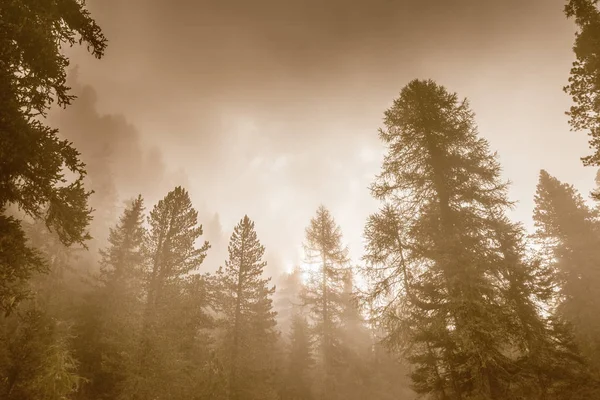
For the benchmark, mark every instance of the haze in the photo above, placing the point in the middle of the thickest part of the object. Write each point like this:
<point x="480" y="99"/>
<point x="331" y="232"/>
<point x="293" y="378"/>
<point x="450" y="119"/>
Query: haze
<point x="271" y="108"/>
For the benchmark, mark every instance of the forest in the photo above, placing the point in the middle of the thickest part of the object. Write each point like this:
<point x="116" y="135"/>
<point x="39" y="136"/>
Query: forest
<point x="451" y="299"/>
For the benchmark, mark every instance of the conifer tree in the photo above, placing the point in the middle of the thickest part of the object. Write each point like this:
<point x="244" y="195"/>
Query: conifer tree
<point x="171" y="255"/>
<point x="549" y="358"/>
<point x="583" y="84"/>
<point x="122" y="261"/>
<point x="111" y="316"/>
<point x="323" y="294"/>
<point x="33" y="159"/>
<point x="440" y="271"/>
<point x="58" y="377"/>
<point x="35" y="344"/>
<point x="248" y="319"/>
<point x="170" y="245"/>
<point x="569" y="230"/>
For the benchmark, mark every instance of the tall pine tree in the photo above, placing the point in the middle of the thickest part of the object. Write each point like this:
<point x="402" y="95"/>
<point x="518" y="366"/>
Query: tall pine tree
<point x="171" y="255"/>
<point x="323" y="295"/>
<point x="111" y="316"/>
<point x="440" y="271"/>
<point x="549" y="359"/>
<point x="248" y="319"/>
<point x="569" y="230"/>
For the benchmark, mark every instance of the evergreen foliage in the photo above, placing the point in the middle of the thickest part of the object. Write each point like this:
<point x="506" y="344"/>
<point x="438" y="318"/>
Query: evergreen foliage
<point x="33" y="160"/>
<point x="248" y="318"/>
<point x="447" y="267"/>
<point x="569" y="232"/>
<point x="456" y="301"/>
<point x="323" y="295"/>
<point x="584" y="81"/>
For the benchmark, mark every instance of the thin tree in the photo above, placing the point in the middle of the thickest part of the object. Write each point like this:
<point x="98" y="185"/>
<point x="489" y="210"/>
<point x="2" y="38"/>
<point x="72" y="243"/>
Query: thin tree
<point x="110" y="318"/>
<point x="248" y="316"/>
<point x="323" y="293"/>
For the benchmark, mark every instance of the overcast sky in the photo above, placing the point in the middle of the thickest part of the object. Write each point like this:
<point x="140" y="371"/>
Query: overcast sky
<point x="271" y="107"/>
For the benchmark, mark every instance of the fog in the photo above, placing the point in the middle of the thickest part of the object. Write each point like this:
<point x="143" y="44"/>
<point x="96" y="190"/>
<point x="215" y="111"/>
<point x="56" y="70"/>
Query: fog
<point x="286" y="200"/>
<point x="272" y="108"/>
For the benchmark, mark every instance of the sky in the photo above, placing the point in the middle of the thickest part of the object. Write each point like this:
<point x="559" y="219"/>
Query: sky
<point x="270" y="108"/>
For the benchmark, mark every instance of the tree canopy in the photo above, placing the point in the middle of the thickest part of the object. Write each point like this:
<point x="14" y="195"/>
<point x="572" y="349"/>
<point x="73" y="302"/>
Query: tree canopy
<point x="40" y="173"/>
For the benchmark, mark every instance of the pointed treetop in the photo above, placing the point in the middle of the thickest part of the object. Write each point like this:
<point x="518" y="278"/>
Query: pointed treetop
<point x="174" y="230"/>
<point x="323" y="235"/>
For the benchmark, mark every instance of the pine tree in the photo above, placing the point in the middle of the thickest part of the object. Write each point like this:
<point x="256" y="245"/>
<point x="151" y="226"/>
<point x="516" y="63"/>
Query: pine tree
<point x="549" y="358"/>
<point x="58" y="377"/>
<point x="323" y="293"/>
<point x="171" y="245"/>
<point x="583" y="82"/>
<point x="440" y="271"/>
<point x="248" y="318"/>
<point x="111" y="317"/>
<point x="569" y="230"/>
<point x="33" y="160"/>
<point x="297" y="380"/>
<point x="122" y="261"/>
<point x="171" y="255"/>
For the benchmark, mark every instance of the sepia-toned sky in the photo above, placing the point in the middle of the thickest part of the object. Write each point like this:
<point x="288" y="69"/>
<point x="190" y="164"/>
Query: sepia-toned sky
<point x="271" y="107"/>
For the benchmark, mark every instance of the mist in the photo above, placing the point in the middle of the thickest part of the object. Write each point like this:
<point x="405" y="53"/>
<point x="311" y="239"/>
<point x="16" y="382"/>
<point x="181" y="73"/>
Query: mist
<point x="299" y="200"/>
<point x="279" y="104"/>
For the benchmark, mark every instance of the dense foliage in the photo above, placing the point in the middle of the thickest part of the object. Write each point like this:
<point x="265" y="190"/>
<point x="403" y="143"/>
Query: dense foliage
<point x="447" y="268"/>
<point x="33" y="159"/>
<point x="584" y="82"/>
